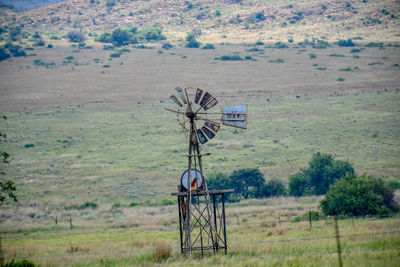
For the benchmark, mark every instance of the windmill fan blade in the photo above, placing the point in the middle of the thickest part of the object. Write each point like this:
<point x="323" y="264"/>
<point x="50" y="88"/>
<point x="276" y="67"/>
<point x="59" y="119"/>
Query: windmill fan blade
<point x="209" y="134"/>
<point x="235" y="116"/>
<point x="199" y="92"/>
<point x="211" y="103"/>
<point x="205" y="99"/>
<point x="180" y="93"/>
<point x="212" y="126"/>
<point x="202" y="137"/>
<point x="176" y="100"/>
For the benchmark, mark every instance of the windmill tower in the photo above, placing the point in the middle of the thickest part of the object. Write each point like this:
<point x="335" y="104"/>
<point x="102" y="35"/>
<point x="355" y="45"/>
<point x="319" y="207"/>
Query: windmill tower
<point x="202" y="222"/>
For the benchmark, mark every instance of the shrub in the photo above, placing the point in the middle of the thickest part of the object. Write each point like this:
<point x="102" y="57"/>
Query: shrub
<point x="323" y="170"/>
<point x="217" y="13"/>
<point x="21" y="263"/>
<point x="39" y="42"/>
<point x="278" y="60"/>
<point x="346" y="43"/>
<point x="105" y="37"/>
<point x="315" y="215"/>
<point x="75" y="37"/>
<point x="247" y="182"/>
<point x="231" y="58"/>
<point x="280" y="45"/>
<point x="50" y="46"/>
<point x="358" y="195"/>
<point x="115" y="55"/>
<point x="29" y="145"/>
<point x="272" y="188"/>
<point x="121" y="37"/>
<point x="394" y="184"/>
<point x="340" y="79"/>
<point x="167" y="46"/>
<point x="355" y="50"/>
<point x="372" y="44"/>
<point x="151" y="34"/>
<point x="336" y="55"/>
<point x="208" y="46"/>
<point x="3" y="54"/>
<point x="191" y="41"/>
<point x="133" y="204"/>
<point x="110" y="3"/>
<point x="312" y="55"/>
<point x="299" y="185"/>
<point x="16" y="51"/>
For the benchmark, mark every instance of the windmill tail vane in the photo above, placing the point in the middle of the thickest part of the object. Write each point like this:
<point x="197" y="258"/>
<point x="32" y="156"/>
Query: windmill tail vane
<point x="202" y="211"/>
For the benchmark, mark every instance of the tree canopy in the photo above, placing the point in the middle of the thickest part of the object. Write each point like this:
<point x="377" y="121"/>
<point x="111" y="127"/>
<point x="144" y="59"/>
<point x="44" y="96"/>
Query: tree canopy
<point x="358" y="195"/>
<point x="323" y="170"/>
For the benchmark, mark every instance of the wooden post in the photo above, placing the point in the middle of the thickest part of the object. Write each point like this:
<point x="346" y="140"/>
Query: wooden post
<point x="237" y="218"/>
<point x="70" y="222"/>
<point x="339" y="248"/>
<point x="309" y="217"/>
<point x="56" y="220"/>
<point x="279" y="218"/>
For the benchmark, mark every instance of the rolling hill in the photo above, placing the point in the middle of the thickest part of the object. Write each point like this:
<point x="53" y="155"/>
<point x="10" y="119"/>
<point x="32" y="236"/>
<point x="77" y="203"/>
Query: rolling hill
<point x="234" y="21"/>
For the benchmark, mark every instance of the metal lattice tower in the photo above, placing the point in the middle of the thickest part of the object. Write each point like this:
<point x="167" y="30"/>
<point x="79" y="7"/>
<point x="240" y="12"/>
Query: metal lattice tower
<point x="202" y="211"/>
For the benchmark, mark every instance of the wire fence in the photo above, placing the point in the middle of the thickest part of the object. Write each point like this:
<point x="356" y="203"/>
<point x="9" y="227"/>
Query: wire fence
<point x="309" y="219"/>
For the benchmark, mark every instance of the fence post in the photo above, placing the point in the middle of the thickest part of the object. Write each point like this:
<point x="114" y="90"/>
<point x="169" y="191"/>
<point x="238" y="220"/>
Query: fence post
<point x="56" y="220"/>
<point x="309" y="217"/>
<point x="237" y="219"/>
<point x="339" y="248"/>
<point x="279" y="218"/>
<point x="70" y="222"/>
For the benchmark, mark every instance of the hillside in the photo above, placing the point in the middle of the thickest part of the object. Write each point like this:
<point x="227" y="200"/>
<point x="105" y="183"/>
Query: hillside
<point x="221" y="21"/>
<point x="25" y="5"/>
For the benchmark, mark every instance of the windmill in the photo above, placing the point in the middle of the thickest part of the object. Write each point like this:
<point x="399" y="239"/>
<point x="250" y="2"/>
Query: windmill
<point x="201" y="211"/>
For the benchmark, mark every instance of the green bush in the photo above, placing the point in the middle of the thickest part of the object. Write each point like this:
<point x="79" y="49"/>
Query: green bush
<point x="315" y="216"/>
<point x="323" y="170"/>
<point x="299" y="185"/>
<point x="3" y="54"/>
<point x="75" y="37"/>
<point x="247" y="182"/>
<point x="21" y="263"/>
<point x="115" y="55"/>
<point x="272" y="188"/>
<point x="358" y="195"/>
<point x="208" y="46"/>
<point x="312" y="55"/>
<point x="278" y="60"/>
<point x="230" y="58"/>
<point x="191" y="41"/>
<point x="167" y="46"/>
<point x="105" y="37"/>
<point x="346" y="43"/>
<point x="394" y="184"/>
<point x="121" y="37"/>
<point x="133" y="204"/>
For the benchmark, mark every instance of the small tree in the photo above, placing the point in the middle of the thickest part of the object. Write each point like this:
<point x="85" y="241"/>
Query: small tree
<point x="323" y="170"/>
<point x="299" y="185"/>
<point x="272" y="189"/>
<point x="120" y="37"/>
<point x="358" y="195"/>
<point x="191" y="41"/>
<point x="247" y="182"/>
<point x="76" y="37"/>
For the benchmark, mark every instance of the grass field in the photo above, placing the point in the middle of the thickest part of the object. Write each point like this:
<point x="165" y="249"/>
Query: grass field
<point x="82" y="132"/>
<point x="255" y="238"/>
